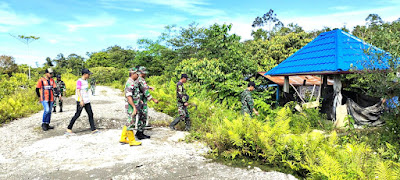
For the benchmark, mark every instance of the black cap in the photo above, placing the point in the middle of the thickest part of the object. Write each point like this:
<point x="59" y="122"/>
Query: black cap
<point x="251" y="83"/>
<point x="86" y="71"/>
<point x="58" y="76"/>
<point x="184" y="76"/>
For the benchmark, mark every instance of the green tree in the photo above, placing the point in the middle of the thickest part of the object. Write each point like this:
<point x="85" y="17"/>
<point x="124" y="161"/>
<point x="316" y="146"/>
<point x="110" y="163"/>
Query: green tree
<point x="113" y="56"/>
<point x="220" y="66"/>
<point x="269" y="53"/>
<point x="385" y="36"/>
<point x="60" y="61"/>
<point x="186" y="43"/>
<point x="157" y="58"/>
<point x="269" y="19"/>
<point x="76" y="63"/>
<point x="49" y="62"/>
<point x="374" y="20"/>
<point x="7" y="65"/>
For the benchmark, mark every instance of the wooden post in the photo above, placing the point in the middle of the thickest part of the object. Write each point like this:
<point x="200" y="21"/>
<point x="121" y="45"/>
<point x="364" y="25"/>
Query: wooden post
<point x="324" y="85"/>
<point x="286" y="85"/>
<point x="337" y="92"/>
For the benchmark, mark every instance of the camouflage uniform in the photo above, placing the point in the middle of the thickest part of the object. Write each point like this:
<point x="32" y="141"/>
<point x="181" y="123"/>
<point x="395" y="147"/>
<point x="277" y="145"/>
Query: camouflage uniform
<point x="57" y="92"/>
<point x="93" y="85"/>
<point x="182" y="98"/>
<point x="144" y="96"/>
<point x="131" y="89"/>
<point x="247" y="102"/>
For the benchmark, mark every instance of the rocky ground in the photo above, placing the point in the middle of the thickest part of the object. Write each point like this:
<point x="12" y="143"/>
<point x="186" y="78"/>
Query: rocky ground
<point x="26" y="152"/>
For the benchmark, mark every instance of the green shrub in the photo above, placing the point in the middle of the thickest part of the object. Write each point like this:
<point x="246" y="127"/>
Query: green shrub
<point x="280" y="138"/>
<point x="23" y="102"/>
<point x="70" y="83"/>
<point x="104" y="75"/>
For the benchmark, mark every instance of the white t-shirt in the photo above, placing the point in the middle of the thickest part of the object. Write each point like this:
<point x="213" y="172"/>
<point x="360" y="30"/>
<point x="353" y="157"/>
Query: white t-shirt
<point x="83" y="85"/>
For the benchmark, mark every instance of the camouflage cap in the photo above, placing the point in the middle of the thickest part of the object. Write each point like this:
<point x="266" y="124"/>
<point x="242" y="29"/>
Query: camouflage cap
<point x="133" y="70"/>
<point x="143" y="70"/>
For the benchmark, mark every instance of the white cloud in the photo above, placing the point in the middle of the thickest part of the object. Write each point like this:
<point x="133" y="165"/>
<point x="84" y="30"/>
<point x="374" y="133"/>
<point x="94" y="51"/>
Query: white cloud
<point x="53" y="41"/>
<point x="90" y="22"/>
<point x="190" y="6"/>
<point x="241" y="23"/>
<point x="65" y="40"/>
<point x="4" y="29"/>
<point x="112" y="5"/>
<point x="29" y="59"/>
<point x="10" y="19"/>
<point x="349" y="19"/>
<point x="194" y="7"/>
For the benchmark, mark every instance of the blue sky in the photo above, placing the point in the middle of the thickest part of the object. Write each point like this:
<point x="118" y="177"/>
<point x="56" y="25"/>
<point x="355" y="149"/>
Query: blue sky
<point x="77" y="26"/>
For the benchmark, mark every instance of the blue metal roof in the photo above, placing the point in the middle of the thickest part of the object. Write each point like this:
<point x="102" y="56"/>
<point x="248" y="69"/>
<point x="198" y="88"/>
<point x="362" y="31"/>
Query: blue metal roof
<point x="333" y="52"/>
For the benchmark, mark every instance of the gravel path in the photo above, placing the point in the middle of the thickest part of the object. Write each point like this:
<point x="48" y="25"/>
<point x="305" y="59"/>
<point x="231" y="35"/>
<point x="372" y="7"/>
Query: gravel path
<point x="26" y="152"/>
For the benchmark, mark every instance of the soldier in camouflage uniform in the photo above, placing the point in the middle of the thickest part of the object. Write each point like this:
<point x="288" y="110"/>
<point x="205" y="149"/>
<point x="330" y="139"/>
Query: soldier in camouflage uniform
<point x="93" y="85"/>
<point x="182" y="99"/>
<point x="59" y="93"/>
<point x="247" y="100"/>
<point x="131" y="106"/>
<point x="144" y="96"/>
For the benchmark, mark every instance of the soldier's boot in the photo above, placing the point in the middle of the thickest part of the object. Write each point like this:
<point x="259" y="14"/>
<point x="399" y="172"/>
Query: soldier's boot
<point x="61" y="106"/>
<point x="54" y="108"/>
<point x="139" y="135"/>
<point x="145" y="136"/>
<point x="174" y="123"/>
<point x="124" y="136"/>
<point x="188" y="125"/>
<point x="131" y="139"/>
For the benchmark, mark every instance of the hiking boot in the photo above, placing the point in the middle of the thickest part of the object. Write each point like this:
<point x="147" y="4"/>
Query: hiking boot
<point x="44" y="127"/>
<point x="49" y="127"/>
<point x="140" y="135"/>
<point x="145" y="136"/>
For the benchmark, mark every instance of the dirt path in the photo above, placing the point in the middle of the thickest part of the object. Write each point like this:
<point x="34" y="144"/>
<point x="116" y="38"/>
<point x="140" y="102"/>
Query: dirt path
<point x="26" y="152"/>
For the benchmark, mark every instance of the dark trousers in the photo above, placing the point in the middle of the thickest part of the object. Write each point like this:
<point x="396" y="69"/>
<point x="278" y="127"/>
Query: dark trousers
<point x="88" y="109"/>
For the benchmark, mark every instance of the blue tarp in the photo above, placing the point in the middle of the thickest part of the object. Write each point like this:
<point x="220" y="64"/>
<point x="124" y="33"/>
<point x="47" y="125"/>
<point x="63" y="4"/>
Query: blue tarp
<point x="333" y="52"/>
<point x="393" y="103"/>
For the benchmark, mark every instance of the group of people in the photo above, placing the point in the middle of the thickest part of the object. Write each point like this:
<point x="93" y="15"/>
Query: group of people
<point x="137" y="94"/>
<point x="136" y="97"/>
<point x="49" y="91"/>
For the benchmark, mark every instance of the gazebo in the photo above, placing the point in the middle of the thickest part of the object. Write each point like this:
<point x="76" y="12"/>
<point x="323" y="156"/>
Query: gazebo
<point x="332" y="53"/>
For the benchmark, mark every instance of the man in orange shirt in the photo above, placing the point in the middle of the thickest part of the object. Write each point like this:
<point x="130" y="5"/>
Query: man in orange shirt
<point x="44" y="90"/>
